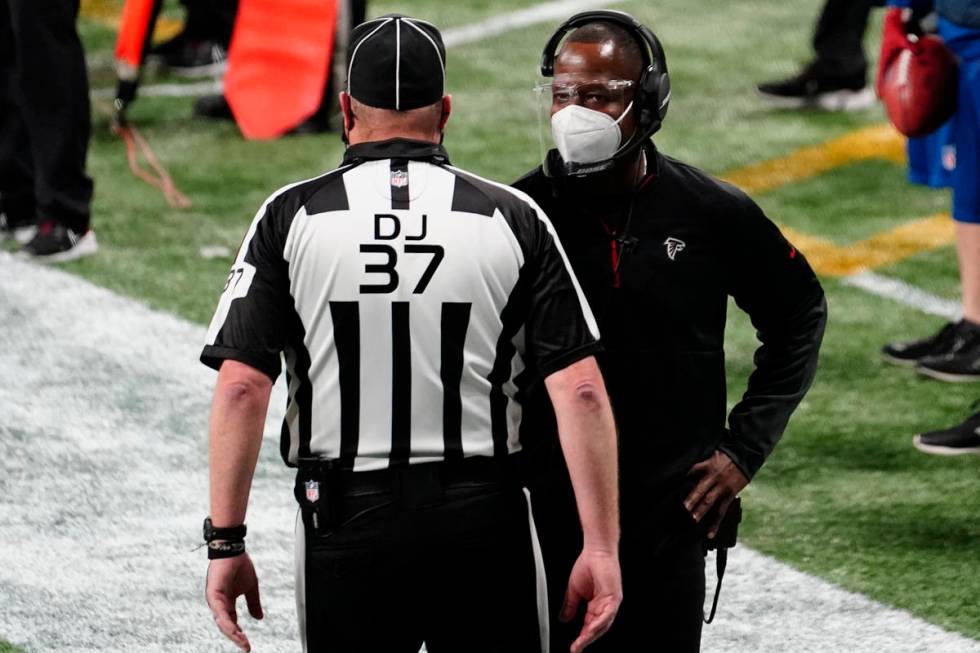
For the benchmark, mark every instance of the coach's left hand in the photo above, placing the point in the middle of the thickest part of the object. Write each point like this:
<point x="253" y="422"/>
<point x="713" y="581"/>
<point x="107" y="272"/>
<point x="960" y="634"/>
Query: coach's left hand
<point x="720" y="483"/>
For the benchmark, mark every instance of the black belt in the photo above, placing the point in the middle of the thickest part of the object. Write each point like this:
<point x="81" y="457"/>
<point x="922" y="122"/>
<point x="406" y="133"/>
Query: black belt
<point x="474" y="469"/>
<point x="321" y="486"/>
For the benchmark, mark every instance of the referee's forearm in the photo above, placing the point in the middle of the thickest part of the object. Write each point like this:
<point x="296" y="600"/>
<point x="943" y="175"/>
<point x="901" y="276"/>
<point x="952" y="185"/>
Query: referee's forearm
<point x="588" y="439"/>
<point x="238" y="410"/>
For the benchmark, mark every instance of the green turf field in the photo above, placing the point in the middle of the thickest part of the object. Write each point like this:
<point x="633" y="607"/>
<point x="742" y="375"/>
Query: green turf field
<point x="845" y="496"/>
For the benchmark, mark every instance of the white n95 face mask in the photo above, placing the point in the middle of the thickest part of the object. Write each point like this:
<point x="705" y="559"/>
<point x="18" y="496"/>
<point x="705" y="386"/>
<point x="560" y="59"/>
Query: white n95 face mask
<point x="586" y="136"/>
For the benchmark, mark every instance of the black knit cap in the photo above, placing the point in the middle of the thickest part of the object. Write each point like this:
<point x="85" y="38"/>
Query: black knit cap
<point x="396" y="62"/>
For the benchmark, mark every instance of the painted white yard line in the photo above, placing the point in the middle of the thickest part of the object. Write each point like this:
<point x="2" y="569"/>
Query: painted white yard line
<point x="556" y="10"/>
<point x="103" y="483"/>
<point x="904" y="293"/>
<point x="195" y="89"/>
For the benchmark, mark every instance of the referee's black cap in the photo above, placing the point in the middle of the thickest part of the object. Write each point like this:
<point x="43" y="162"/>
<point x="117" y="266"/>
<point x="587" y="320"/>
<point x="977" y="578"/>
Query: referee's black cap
<point x="396" y="62"/>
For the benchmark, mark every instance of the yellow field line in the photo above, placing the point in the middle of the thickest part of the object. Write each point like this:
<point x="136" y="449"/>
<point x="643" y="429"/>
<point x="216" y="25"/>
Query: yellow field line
<point x="826" y="257"/>
<point x="107" y="12"/>
<point x="832" y="260"/>
<point x="875" y="142"/>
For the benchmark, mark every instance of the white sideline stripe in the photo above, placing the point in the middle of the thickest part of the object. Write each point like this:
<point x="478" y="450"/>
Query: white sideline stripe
<point x="211" y="87"/>
<point x="103" y="483"/>
<point x="452" y="37"/>
<point x="904" y="293"/>
<point x="494" y="26"/>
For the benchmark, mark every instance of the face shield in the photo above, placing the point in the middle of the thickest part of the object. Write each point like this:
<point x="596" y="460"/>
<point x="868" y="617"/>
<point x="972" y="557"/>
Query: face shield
<point x="580" y="122"/>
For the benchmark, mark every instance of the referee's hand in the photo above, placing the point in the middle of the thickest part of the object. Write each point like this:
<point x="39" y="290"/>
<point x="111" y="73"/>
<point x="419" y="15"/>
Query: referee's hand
<point x="595" y="578"/>
<point x="228" y="579"/>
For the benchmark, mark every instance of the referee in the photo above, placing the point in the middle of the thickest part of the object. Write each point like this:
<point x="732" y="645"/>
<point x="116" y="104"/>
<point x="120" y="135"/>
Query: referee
<point x="413" y="301"/>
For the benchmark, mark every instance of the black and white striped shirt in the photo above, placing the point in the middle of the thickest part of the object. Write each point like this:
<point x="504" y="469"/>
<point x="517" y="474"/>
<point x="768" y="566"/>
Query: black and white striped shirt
<point x="411" y="300"/>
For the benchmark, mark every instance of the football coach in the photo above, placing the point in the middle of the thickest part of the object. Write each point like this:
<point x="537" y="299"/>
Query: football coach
<point x="410" y="299"/>
<point x="659" y="247"/>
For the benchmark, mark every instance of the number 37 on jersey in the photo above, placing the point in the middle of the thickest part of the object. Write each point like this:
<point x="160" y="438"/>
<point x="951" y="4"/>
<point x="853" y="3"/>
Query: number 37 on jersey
<point x="381" y="257"/>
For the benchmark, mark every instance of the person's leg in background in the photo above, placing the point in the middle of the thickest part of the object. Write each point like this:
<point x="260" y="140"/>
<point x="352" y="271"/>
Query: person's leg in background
<point x="52" y="93"/>
<point x="17" y="209"/>
<point x="200" y="49"/>
<point x="349" y="14"/>
<point x="838" y="38"/>
<point x="327" y="116"/>
<point x="837" y="78"/>
<point x="966" y="194"/>
<point x="931" y="162"/>
<point x="962" y="361"/>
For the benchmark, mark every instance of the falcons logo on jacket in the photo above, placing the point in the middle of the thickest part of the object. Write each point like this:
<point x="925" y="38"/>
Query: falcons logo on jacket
<point x="674" y="247"/>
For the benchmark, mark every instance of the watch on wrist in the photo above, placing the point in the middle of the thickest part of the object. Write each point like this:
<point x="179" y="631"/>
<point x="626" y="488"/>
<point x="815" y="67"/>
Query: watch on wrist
<point x="228" y="534"/>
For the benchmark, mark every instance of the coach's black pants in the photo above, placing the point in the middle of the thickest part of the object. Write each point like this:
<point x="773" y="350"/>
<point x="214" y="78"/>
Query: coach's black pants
<point x="44" y="114"/>
<point x="662" y="563"/>
<point x="452" y="566"/>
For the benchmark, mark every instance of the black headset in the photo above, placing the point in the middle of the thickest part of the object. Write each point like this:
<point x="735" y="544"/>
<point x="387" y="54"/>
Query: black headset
<point x="652" y="95"/>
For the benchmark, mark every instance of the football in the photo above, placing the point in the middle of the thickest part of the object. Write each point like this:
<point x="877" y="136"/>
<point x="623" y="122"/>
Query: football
<point x="918" y="86"/>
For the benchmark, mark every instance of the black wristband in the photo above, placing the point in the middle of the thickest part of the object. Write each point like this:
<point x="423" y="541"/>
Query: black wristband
<point x="221" y="550"/>
<point x="231" y="533"/>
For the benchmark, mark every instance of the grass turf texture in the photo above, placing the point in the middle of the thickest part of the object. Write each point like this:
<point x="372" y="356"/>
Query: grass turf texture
<point x="844" y="496"/>
<point x="9" y="648"/>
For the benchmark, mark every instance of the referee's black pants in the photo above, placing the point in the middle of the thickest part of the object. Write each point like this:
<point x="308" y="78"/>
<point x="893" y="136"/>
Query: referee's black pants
<point x="450" y="564"/>
<point x="662" y="563"/>
<point x="44" y="114"/>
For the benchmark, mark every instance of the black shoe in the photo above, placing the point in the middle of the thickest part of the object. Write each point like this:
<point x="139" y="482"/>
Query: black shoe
<point x="909" y="353"/>
<point x="813" y="88"/>
<point x="55" y="243"/>
<point x="961" y="362"/>
<point x="196" y="59"/>
<point x="956" y="440"/>
<point x="214" y="107"/>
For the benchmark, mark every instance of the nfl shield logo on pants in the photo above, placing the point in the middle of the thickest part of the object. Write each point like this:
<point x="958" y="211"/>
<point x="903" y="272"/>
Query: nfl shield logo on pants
<point x="312" y="491"/>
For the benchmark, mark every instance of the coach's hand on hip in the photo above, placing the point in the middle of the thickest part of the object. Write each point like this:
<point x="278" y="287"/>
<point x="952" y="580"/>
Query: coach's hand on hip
<point x="228" y="579"/>
<point x="595" y="578"/>
<point x="720" y="483"/>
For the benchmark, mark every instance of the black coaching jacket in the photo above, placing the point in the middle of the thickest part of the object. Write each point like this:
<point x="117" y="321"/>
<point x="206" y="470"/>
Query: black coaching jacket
<point x="660" y="295"/>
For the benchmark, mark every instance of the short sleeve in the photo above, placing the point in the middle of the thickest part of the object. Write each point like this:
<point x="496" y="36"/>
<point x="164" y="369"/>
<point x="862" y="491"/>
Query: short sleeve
<point x="560" y="328"/>
<point x="251" y="321"/>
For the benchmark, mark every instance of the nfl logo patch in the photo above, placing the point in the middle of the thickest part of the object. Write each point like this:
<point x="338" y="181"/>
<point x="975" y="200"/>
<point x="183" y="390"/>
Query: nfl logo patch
<point x="399" y="178"/>
<point x="312" y="491"/>
<point x="949" y="157"/>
